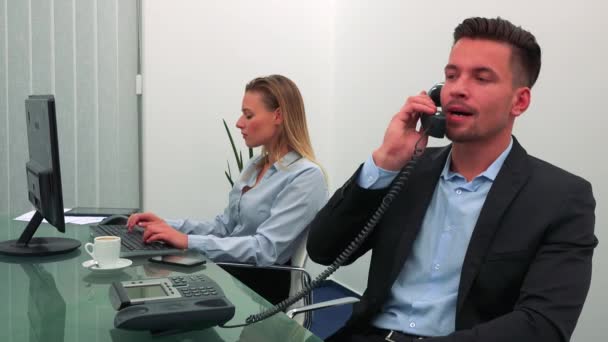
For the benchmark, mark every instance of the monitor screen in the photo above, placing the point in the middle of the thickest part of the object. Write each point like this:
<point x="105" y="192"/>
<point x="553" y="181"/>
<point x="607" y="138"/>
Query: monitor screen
<point x="43" y="182"/>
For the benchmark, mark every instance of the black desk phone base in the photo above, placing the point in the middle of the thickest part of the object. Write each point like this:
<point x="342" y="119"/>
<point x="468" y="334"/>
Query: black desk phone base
<point x="189" y="302"/>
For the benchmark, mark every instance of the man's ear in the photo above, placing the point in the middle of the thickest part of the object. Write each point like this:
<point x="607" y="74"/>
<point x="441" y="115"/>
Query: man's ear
<point x="521" y="101"/>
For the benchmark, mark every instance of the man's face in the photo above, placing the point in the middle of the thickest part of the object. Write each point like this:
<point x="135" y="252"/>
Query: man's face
<point x="479" y="98"/>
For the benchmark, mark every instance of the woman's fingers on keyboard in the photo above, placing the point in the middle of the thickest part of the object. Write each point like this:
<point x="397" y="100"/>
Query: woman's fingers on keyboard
<point x="151" y="229"/>
<point x="143" y="219"/>
<point x="156" y="237"/>
<point x="133" y="220"/>
<point x="148" y="232"/>
<point x="169" y="235"/>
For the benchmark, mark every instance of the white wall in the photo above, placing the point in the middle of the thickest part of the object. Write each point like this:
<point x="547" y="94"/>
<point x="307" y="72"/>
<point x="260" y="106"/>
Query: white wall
<point x="355" y="63"/>
<point x="197" y="58"/>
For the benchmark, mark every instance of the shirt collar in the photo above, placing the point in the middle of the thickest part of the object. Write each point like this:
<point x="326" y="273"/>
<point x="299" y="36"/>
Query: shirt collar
<point x="288" y="159"/>
<point x="490" y="173"/>
<point x="250" y="175"/>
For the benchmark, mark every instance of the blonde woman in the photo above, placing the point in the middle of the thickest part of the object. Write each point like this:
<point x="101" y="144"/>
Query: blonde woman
<point x="275" y="197"/>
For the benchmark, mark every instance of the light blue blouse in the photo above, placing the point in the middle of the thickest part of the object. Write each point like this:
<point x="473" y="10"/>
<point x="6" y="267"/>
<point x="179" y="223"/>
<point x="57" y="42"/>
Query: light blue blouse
<point x="264" y="225"/>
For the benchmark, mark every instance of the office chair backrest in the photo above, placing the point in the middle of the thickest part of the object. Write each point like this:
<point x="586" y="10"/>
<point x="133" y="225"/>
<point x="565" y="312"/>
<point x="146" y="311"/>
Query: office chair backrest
<point x="300" y="255"/>
<point x="299" y="279"/>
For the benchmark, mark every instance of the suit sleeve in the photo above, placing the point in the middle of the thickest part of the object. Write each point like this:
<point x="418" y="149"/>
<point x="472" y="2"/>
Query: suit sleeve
<point x="340" y="220"/>
<point x="555" y="287"/>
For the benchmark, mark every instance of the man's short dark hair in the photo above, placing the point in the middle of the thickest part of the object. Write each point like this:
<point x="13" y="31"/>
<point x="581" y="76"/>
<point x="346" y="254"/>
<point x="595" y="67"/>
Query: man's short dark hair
<point x="525" y="50"/>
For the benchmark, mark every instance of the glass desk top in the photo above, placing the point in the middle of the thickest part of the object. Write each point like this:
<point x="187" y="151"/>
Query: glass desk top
<point x="56" y="299"/>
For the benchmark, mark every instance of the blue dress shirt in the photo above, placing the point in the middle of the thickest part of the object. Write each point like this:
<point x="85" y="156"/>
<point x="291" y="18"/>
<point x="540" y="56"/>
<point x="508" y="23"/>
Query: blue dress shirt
<point x="423" y="298"/>
<point x="263" y="225"/>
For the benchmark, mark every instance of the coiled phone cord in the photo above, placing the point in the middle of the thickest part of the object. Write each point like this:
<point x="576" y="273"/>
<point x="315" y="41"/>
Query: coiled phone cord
<point x="396" y="187"/>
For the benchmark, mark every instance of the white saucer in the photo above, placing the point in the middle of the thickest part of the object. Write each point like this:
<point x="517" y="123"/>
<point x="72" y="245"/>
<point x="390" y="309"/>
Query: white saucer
<point x="122" y="263"/>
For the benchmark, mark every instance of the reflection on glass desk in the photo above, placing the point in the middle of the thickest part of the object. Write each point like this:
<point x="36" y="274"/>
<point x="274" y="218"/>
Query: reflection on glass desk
<point x="56" y="299"/>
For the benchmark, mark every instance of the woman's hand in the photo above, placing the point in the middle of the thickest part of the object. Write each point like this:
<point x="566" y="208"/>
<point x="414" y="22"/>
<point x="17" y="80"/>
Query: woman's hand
<point x="139" y="219"/>
<point x="161" y="231"/>
<point x="156" y="229"/>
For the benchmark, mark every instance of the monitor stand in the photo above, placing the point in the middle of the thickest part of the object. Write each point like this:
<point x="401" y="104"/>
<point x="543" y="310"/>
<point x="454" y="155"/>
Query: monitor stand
<point x="41" y="246"/>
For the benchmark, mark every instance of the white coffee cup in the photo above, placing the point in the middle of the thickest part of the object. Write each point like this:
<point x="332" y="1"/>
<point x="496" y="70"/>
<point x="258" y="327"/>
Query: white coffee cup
<point x="105" y="250"/>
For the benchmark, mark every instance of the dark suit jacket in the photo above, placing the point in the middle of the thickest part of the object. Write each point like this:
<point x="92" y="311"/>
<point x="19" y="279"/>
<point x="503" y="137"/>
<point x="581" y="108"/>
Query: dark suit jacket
<point x="527" y="268"/>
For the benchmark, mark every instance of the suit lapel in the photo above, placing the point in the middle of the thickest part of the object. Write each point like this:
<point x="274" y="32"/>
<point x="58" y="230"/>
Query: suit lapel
<point x="507" y="184"/>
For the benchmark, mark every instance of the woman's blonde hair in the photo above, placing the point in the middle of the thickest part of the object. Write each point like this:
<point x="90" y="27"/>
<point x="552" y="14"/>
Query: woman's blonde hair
<point x="280" y="92"/>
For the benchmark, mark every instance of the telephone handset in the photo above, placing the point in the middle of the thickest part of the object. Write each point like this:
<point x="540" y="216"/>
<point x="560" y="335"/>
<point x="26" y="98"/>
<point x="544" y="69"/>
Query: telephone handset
<point x="433" y="125"/>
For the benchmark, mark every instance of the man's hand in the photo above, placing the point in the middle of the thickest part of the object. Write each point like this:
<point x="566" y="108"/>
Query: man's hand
<point x="401" y="135"/>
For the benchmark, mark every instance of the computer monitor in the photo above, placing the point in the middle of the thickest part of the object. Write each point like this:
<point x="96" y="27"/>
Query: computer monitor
<point x="43" y="182"/>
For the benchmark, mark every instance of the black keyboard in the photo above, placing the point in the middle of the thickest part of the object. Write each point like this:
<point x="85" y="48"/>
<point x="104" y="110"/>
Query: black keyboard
<point x="132" y="241"/>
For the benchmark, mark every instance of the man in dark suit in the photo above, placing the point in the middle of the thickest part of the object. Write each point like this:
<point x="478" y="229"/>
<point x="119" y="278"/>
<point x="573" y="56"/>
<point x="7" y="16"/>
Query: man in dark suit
<point x="486" y="243"/>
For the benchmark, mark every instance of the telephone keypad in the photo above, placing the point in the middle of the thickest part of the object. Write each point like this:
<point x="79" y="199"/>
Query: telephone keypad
<point x="193" y="286"/>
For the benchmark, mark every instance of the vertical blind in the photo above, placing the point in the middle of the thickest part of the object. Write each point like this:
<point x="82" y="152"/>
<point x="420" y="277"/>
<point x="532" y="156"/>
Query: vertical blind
<point x="85" y="52"/>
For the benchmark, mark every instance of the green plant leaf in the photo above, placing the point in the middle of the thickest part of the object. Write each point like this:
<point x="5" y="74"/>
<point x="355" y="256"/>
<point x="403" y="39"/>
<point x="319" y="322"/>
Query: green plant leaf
<point x="229" y="174"/>
<point x="229" y="171"/>
<point x="229" y="179"/>
<point x="236" y="155"/>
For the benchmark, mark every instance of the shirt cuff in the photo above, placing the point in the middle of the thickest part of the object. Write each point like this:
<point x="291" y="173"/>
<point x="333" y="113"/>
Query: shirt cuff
<point x="374" y="177"/>
<point x="198" y="243"/>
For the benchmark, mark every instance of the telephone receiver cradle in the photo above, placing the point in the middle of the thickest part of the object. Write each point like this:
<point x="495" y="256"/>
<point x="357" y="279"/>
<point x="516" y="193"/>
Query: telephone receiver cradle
<point x="434" y="124"/>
